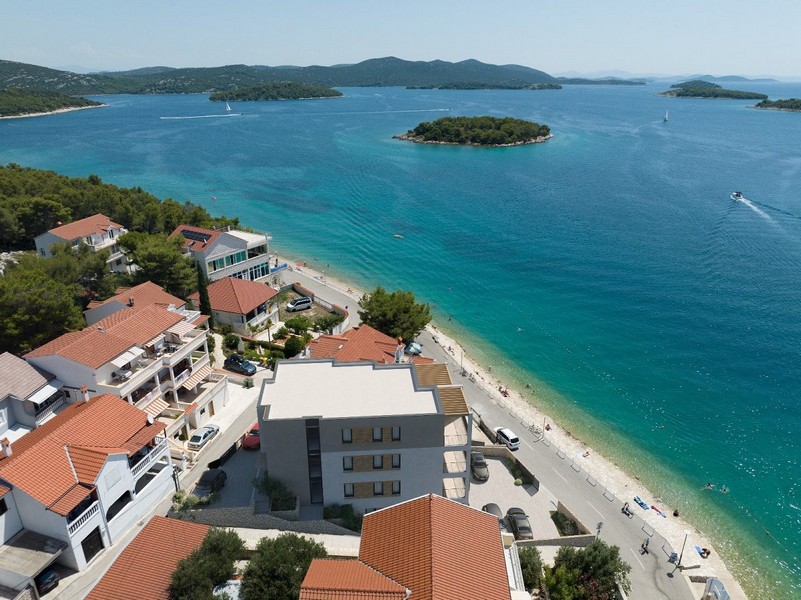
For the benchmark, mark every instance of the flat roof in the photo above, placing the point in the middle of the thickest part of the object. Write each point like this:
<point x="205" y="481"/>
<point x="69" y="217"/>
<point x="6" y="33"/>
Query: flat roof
<point x="323" y="388"/>
<point x="28" y="552"/>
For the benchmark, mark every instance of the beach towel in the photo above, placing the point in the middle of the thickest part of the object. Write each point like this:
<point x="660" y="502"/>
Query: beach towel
<point x="659" y="512"/>
<point x="698" y="549"/>
<point x="642" y="504"/>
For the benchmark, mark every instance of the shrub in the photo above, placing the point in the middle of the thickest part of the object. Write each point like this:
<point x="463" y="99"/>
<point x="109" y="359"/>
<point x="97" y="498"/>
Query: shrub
<point x="293" y="346"/>
<point x="225" y="329"/>
<point x="278" y="566"/>
<point x="518" y="481"/>
<point x="564" y="524"/>
<point x="531" y="566"/>
<point x="231" y="341"/>
<point x="281" y="333"/>
<point x="299" y="324"/>
<point x="209" y="565"/>
<point x="212" y="343"/>
<point x="350" y="518"/>
<point x="281" y="497"/>
<point x="328" y="322"/>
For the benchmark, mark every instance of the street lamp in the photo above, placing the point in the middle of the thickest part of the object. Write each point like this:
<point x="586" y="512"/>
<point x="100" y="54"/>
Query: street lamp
<point x="681" y="554"/>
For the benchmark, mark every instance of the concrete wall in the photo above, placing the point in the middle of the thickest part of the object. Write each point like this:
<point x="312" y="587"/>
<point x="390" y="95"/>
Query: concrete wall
<point x="93" y="315"/>
<point x="72" y="374"/>
<point x="10" y="522"/>
<point x="284" y="446"/>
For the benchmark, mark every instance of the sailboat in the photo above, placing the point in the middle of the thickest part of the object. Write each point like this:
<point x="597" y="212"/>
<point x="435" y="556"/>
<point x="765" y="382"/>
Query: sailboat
<point x="666" y="116"/>
<point x="228" y="109"/>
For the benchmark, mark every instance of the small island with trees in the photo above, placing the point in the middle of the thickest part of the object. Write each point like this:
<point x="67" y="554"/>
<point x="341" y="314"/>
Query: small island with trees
<point x="789" y="105"/>
<point x="282" y="90"/>
<point x="16" y="102"/>
<point x="698" y="88"/>
<point x="478" y="131"/>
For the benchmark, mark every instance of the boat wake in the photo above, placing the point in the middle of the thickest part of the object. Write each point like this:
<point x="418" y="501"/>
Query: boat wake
<point x="201" y="117"/>
<point x="743" y="200"/>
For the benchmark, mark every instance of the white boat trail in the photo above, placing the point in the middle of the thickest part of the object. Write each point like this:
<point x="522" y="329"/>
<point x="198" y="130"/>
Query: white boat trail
<point x="201" y="117"/>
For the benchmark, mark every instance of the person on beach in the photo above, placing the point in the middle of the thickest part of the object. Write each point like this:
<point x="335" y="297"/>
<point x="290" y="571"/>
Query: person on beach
<point x="644" y="545"/>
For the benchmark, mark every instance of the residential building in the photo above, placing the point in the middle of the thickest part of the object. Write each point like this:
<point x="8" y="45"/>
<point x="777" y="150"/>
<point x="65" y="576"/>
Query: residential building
<point x="81" y="480"/>
<point x="428" y="548"/>
<point x="98" y="232"/>
<point x="145" y="567"/>
<point x="241" y="303"/>
<point x="144" y="294"/>
<point x="228" y="252"/>
<point x="28" y="396"/>
<point x="361" y="343"/>
<point x="364" y="434"/>
<point x="154" y="357"/>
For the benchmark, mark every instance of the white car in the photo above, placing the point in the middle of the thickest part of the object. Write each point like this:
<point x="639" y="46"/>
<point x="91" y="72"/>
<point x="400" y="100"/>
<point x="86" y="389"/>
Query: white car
<point x="507" y="437"/>
<point x="297" y="304"/>
<point x="201" y="436"/>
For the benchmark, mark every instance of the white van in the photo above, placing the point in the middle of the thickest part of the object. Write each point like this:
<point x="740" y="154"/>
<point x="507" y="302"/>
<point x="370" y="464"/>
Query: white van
<point x="507" y="437"/>
<point x="301" y="303"/>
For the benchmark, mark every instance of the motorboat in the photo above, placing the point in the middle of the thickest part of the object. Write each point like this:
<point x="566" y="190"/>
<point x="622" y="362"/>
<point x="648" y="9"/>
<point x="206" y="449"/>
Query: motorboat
<point x="737" y="196"/>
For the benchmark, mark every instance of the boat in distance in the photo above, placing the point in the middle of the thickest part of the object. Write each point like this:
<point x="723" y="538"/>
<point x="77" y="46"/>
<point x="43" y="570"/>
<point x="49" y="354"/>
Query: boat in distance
<point x="737" y="196"/>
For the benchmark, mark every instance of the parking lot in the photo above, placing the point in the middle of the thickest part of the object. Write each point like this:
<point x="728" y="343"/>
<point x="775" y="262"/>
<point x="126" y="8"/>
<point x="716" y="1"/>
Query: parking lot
<point x="242" y="468"/>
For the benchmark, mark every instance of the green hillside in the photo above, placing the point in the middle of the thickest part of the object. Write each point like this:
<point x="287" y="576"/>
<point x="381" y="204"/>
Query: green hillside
<point x="285" y="90"/>
<point x="15" y="102"/>
<point x="698" y="88"/>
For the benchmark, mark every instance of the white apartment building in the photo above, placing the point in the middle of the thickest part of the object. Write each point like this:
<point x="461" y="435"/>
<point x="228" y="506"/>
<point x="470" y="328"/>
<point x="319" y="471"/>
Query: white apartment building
<point x="98" y="232"/>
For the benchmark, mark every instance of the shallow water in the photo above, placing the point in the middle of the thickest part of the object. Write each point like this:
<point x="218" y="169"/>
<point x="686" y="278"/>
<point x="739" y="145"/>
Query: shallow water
<point x="607" y="267"/>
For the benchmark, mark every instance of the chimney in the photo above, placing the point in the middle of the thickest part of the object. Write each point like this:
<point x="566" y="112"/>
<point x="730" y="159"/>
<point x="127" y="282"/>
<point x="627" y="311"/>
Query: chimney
<point x="130" y="300"/>
<point x="101" y="329"/>
<point x="85" y="393"/>
<point x="6" y="446"/>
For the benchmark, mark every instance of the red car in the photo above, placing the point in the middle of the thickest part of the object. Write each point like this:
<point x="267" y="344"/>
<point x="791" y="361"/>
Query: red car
<point x="252" y="440"/>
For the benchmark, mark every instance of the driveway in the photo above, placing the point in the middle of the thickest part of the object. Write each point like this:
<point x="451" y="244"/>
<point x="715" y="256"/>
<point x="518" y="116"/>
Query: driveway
<point x="241" y="468"/>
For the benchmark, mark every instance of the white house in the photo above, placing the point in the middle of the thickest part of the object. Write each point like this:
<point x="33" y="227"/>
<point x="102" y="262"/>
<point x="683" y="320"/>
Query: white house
<point x="98" y="231"/>
<point x="141" y="295"/>
<point x="77" y="484"/>
<point x="241" y="303"/>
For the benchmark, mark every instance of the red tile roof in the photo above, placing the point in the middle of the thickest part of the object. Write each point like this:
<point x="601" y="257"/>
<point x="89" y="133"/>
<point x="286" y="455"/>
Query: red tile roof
<point x="204" y="237"/>
<point x="145" y="567"/>
<point x="359" y="343"/>
<point x="144" y="294"/>
<point x="238" y="296"/>
<point x="68" y="450"/>
<point x="4" y="490"/>
<point x="438" y="549"/>
<point x="330" y="579"/>
<point x="98" y="224"/>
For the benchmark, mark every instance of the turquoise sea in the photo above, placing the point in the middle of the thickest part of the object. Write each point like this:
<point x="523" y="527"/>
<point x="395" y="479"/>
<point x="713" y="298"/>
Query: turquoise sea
<point x="607" y="267"/>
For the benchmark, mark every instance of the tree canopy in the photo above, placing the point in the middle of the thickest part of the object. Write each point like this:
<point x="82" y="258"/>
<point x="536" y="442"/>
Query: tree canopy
<point x="590" y="573"/>
<point x="211" y="564"/>
<point x="698" y="88"/>
<point x="15" y="102"/>
<point x="397" y="314"/>
<point x="161" y="261"/>
<point x="791" y="104"/>
<point x="478" y="131"/>
<point x="281" y="90"/>
<point x="278" y="567"/>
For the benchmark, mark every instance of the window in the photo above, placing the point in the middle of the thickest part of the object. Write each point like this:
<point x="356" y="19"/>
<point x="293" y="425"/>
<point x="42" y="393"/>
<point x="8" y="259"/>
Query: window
<point x="347" y="436"/>
<point x="396" y="434"/>
<point x="378" y="434"/>
<point x="378" y="488"/>
<point x="396" y="461"/>
<point x="348" y="490"/>
<point x="3" y="506"/>
<point x="378" y="461"/>
<point x="396" y="488"/>
<point x="347" y="463"/>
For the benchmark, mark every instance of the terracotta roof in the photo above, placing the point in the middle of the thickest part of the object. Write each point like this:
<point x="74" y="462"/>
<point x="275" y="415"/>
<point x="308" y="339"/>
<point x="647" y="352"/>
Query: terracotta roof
<point x="70" y="499"/>
<point x="330" y="579"/>
<point x="4" y="490"/>
<point x="44" y="463"/>
<point x="19" y="378"/>
<point x="145" y="567"/>
<point x="438" y="549"/>
<point x="144" y="294"/>
<point x="98" y="224"/>
<point x="238" y="296"/>
<point x="359" y="343"/>
<point x="430" y="374"/>
<point x="97" y="344"/>
<point x="197" y="239"/>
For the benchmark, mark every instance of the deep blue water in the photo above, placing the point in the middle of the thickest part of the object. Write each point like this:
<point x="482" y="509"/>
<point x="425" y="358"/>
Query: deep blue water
<point x="660" y="320"/>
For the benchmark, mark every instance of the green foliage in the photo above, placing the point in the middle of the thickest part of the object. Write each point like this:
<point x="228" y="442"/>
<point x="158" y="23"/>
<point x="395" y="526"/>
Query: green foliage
<point x="788" y="104"/>
<point x="293" y="346"/>
<point x="203" y="291"/>
<point x="480" y="131"/>
<point x="281" y="333"/>
<point x="396" y="314"/>
<point x="496" y="86"/>
<point x="161" y="261"/>
<point x="231" y="341"/>
<point x="282" y="90"/>
<point x="278" y="567"/>
<point x="350" y="518"/>
<point x="299" y="324"/>
<point x="15" y="101"/>
<point x="209" y="565"/>
<point x="590" y="573"/>
<point x="531" y="565"/>
<point x="281" y="497"/>
<point x="704" y="89"/>
<point x="564" y="524"/>
<point x="327" y="322"/>
<point x="211" y="342"/>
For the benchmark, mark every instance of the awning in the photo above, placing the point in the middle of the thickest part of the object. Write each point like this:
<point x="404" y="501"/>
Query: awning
<point x="50" y="388"/>
<point x="196" y="377"/>
<point x="155" y="340"/>
<point x="181" y="329"/>
<point x="126" y="357"/>
<point x="156" y="407"/>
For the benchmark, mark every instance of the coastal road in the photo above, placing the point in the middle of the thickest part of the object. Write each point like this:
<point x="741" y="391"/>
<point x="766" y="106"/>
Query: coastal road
<point x="652" y="576"/>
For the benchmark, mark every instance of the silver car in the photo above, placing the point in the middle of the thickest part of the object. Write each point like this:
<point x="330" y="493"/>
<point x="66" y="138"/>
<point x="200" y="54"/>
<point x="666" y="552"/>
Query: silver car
<point x="201" y="436"/>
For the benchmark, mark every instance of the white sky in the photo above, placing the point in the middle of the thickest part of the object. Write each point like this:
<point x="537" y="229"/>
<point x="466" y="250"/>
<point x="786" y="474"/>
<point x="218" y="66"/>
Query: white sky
<point x="719" y="37"/>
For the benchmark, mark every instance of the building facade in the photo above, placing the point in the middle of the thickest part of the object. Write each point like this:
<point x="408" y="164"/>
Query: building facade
<point x="98" y="232"/>
<point x="244" y="305"/>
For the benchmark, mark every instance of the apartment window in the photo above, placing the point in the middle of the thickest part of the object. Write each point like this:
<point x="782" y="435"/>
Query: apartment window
<point x="347" y="436"/>
<point x="396" y="461"/>
<point x="3" y="506"/>
<point x="347" y="463"/>
<point x="396" y="434"/>
<point x="396" y="488"/>
<point x="378" y="461"/>
<point x="348" y="490"/>
<point x="378" y="434"/>
<point x="378" y="488"/>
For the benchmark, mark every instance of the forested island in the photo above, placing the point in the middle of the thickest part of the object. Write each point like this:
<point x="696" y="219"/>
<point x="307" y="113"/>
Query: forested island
<point x="789" y="104"/>
<point x="478" y="131"/>
<point x="698" y="88"/>
<point x="281" y="90"/>
<point x="487" y="86"/>
<point x="15" y="102"/>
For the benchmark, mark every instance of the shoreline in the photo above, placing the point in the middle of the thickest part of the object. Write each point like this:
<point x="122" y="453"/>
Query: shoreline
<point x="793" y="110"/>
<point x="603" y="469"/>
<point x="407" y="138"/>
<point x="52" y="112"/>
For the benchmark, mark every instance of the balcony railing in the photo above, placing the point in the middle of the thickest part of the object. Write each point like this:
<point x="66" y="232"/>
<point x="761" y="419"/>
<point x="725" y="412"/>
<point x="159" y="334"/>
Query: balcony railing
<point x="43" y="416"/>
<point x="150" y="458"/>
<point x="147" y="397"/>
<point x="81" y="521"/>
<point x="181" y="377"/>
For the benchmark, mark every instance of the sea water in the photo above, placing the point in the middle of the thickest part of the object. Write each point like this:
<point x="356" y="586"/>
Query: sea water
<point x="608" y="268"/>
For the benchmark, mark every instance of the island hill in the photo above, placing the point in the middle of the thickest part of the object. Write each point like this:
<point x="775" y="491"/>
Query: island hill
<point x="283" y="90"/>
<point x="698" y="88"/>
<point x="478" y="131"/>
<point x="16" y="102"/>
<point x="789" y="105"/>
<point x="487" y="86"/>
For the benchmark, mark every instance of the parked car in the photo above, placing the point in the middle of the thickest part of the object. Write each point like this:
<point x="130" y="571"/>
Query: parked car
<point x="519" y="523"/>
<point x="201" y="436"/>
<point x="211" y="481"/>
<point x="301" y="303"/>
<point x="507" y="437"/>
<point x="47" y="580"/>
<point x="223" y="457"/>
<point x="478" y="465"/>
<point x="237" y="364"/>
<point x="252" y="440"/>
<point x="493" y="509"/>
<point x="413" y="349"/>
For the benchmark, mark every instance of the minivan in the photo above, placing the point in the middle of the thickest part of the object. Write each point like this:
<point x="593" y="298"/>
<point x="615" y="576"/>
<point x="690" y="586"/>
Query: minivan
<point x="507" y="437"/>
<point x="301" y="303"/>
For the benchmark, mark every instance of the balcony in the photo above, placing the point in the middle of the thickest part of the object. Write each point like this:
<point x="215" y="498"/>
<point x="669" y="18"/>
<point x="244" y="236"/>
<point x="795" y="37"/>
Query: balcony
<point x="145" y="400"/>
<point x="456" y="432"/>
<point x="93" y="509"/>
<point x="155" y="453"/>
<point x="454" y="462"/>
<point x="132" y="375"/>
<point x="50" y="410"/>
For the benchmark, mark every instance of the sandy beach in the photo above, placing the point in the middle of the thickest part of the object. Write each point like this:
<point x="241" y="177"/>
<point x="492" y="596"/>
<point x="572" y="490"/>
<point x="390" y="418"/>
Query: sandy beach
<point x="602" y="469"/>
<point x="52" y="112"/>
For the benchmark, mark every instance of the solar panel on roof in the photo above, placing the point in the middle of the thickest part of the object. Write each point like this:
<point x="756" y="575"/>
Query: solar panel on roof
<point x="197" y="236"/>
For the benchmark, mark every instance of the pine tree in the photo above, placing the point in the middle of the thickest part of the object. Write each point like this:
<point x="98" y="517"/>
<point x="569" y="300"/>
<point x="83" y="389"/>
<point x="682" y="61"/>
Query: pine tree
<point x="203" y="290"/>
